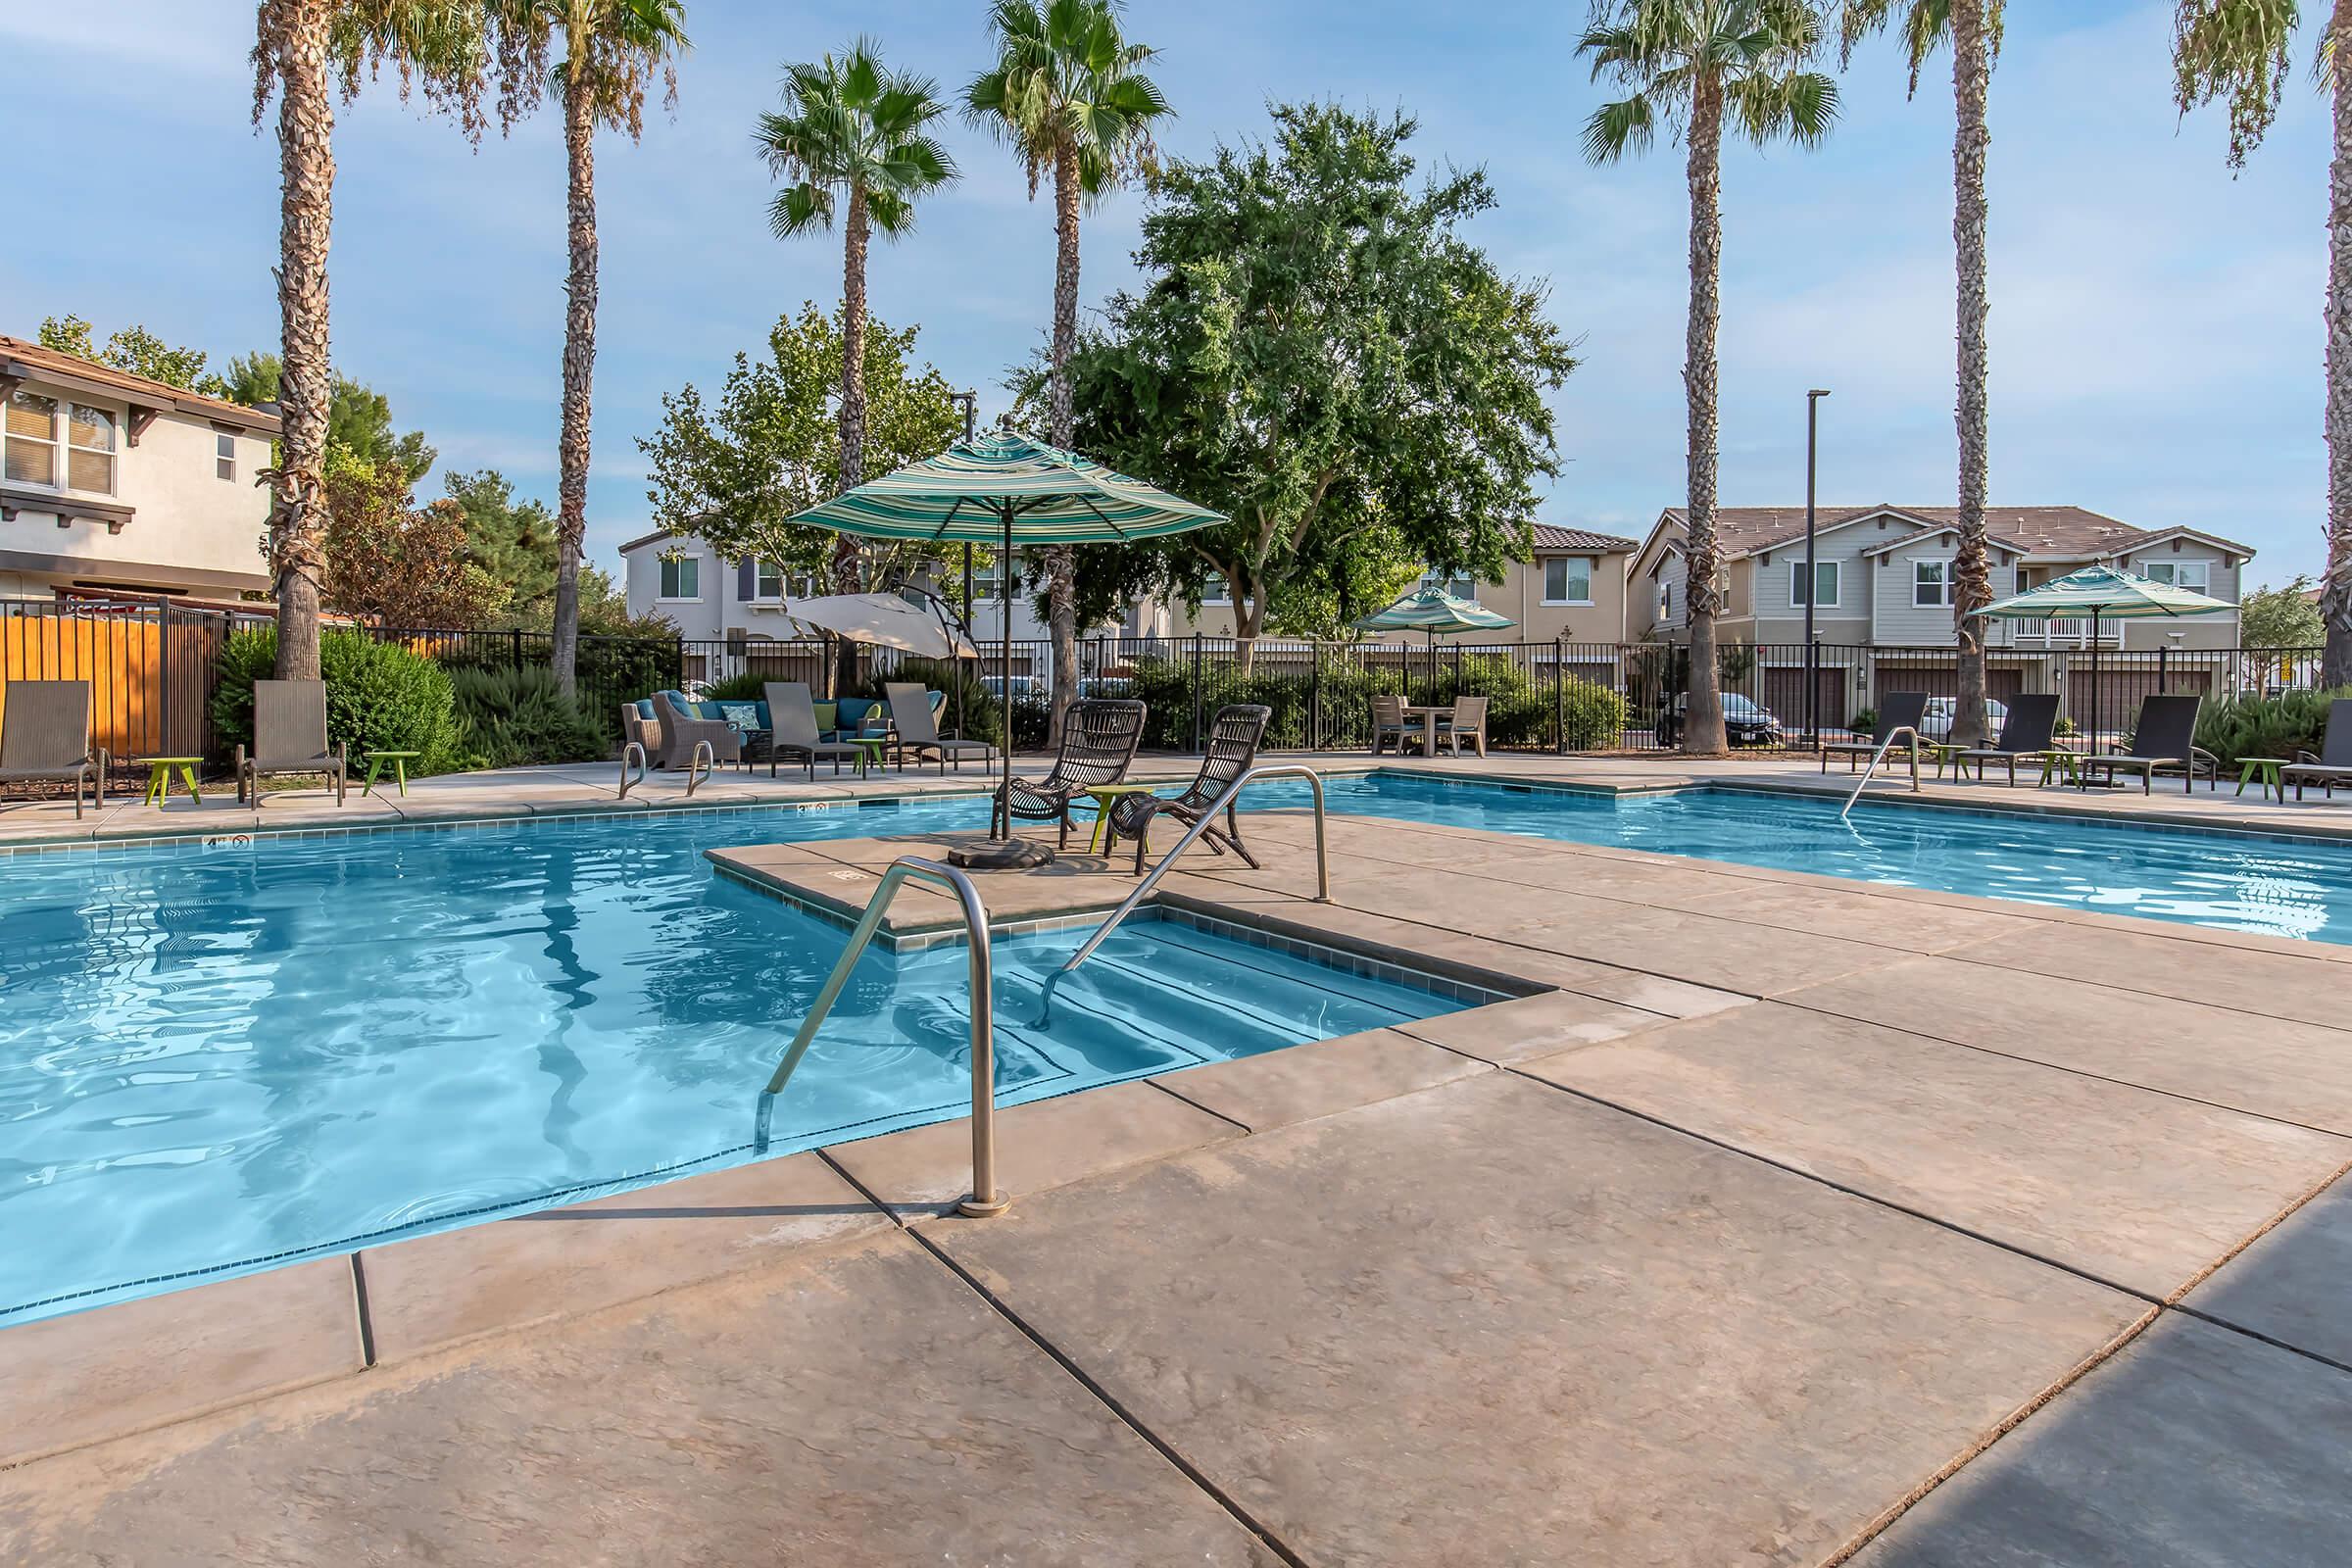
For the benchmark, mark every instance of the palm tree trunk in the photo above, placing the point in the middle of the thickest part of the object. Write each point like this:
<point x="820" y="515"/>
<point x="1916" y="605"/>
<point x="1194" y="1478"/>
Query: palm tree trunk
<point x="579" y="369"/>
<point x="1061" y="561"/>
<point x="1971" y="584"/>
<point x="856" y="237"/>
<point x="1702" y="726"/>
<point x="305" y="122"/>
<point x="2335" y="593"/>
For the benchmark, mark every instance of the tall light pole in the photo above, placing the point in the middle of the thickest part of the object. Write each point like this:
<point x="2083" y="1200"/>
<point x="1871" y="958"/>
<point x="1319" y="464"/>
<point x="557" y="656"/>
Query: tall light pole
<point x="1812" y="570"/>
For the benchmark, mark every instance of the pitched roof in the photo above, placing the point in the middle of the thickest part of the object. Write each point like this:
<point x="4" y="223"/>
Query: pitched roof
<point x="1549" y="536"/>
<point x="2064" y="532"/>
<point x="32" y="360"/>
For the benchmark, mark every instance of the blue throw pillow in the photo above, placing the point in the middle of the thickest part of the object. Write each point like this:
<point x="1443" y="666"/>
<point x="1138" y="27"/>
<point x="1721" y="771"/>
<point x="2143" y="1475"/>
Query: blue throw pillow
<point x="645" y="708"/>
<point x="743" y="716"/>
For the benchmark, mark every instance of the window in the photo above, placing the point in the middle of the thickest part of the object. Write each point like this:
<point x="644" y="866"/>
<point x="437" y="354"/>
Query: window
<point x="987" y="585"/>
<point x="2193" y="575"/>
<point x="89" y="448"/>
<point x="31" y="436"/>
<point x="682" y="578"/>
<point x="1825" y="583"/>
<point x="225" y="455"/>
<point x="1460" y="584"/>
<point x="1568" y="580"/>
<point x="1931" y="584"/>
<point x="767" y="581"/>
<point x="1213" y="590"/>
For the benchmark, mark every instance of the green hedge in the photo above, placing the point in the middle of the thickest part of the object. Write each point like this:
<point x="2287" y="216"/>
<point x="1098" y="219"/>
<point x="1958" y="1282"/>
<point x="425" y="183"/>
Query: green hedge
<point x="1521" y="708"/>
<point x="513" y="717"/>
<point x="379" y="697"/>
<point x="2280" y="725"/>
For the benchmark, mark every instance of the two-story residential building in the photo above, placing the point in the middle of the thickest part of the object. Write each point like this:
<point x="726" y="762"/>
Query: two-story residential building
<point x="1883" y="579"/>
<point x="110" y="482"/>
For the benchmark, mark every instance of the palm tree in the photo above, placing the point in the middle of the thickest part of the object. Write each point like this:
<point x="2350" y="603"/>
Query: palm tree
<point x="1974" y="27"/>
<point x="2237" y="50"/>
<point x="1068" y="94"/>
<point x="1695" y="64"/>
<point x="299" y="46"/>
<point x="853" y="137"/>
<point x="613" y="50"/>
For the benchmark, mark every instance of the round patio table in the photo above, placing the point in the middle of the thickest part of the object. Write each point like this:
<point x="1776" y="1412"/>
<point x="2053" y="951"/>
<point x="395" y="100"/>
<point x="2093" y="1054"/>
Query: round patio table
<point x="159" y="777"/>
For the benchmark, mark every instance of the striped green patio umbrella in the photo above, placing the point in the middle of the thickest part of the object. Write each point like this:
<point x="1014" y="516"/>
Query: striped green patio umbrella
<point x="1434" y="611"/>
<point x="1009" y="491"/>
<point x="2101" y="593"/>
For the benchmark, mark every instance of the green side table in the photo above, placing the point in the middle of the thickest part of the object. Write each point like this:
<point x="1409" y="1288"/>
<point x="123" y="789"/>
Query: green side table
<point x="869" y="751"/>
<point x="1105" y="796"/>
<point x="159" y="777"/>
<point x="2060" y="762"/>
<point x="2266" y="770"/>
<point x="400" y="768"/>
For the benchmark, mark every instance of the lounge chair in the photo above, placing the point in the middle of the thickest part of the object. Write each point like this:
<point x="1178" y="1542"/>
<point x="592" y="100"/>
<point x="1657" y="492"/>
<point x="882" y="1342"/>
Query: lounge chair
<point x="1896" y="710"/>
<point x="679" y="731"/>
<point x="2028" y="731"/>
<point x="289" y="736"/>
<point x="791" y="715"/>
<point x="1469" y="718"/>
<point x="1098" y="739"/>
<point x="1232" y="751"/>
<point x="2330" y="766"/>
<point x="918" y="726"/>
<point x="1388" y="723"/>
<point x="2163" y="737"/>
<point x="46" y="738"/>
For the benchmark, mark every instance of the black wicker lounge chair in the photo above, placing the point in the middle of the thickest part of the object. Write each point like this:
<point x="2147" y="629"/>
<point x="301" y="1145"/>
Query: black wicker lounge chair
<point x="1098" y="739"/>
<point x="1232" y="751"/>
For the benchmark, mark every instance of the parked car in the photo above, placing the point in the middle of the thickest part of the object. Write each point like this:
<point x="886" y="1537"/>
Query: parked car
<point x="1937" y="725"/>
<point x="1025" y="688"/>
<point x="1743" y="722"/>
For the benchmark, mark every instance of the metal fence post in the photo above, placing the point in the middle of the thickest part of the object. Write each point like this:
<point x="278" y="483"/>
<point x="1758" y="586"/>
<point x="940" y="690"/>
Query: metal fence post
<point x="1195" y="691"/>
<point x="1314" y="702"/>
<point x="515" y="637"/>
<point x="2164" y="666"/>
<point x="162" y="674"/>
<point x="1559" y="694"/>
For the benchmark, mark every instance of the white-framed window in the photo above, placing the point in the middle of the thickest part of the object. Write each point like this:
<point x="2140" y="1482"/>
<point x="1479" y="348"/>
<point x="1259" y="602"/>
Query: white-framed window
<point x="988" y="584"/>
<point x="1214" y="590"/>
<point x="1666" y="599"/>
<point x="83" y="460"/>
<point x="683" y="577"/>
<point x="32" y="439"/>
<point x="1827" y="584"/>
<point x="90" y="436"/>
<point x="1568" y="579"/>
<point x="224" y="455"/>
<point x="1460" y="584"/>
<point x="1931" y="584"/>
<point x="771" y="584"/>
<point x="2194" y="575"/>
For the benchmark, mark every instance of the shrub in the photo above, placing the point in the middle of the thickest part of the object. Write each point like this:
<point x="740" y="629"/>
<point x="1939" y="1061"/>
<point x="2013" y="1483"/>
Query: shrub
<point x="379" y="696"/>
<point x="510" y="717"/>
<point x="2279" y="725"/>
<point x="751" y="686"/>
<point x="982" y="718"/>
<point x="1595" y="717"/>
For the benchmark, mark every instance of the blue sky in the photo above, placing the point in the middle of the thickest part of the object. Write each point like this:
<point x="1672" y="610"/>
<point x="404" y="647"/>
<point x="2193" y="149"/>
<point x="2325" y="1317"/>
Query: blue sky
<point x="2156" y="332"/>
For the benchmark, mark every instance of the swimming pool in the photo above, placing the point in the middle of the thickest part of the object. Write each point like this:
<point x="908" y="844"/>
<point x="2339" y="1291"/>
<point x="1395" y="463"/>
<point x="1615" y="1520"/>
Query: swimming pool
<point x="215" y="1060"/>
<point x="2273" y="885"/>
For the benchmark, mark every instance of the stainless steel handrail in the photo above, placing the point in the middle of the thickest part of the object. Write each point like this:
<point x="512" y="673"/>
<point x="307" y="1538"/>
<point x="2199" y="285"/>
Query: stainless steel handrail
<point x="704" y="758"/>
<point x="638" y="747"/>
<point x="1201" y="824"/>
<point x="984" y="1198"/>
<point x="1880" y="755"/>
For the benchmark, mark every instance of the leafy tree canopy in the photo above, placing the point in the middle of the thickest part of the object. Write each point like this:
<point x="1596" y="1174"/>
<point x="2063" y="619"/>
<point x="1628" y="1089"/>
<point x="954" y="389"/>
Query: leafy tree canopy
<point x="514" y="541"/>
<point x="2282" y="618"/>
<point x="1324" y="358"/>
<point x="359" y="418"/>
<point x="389" y="559"/>
<point x="770" y="447"/>
<point x="135" y="350"/>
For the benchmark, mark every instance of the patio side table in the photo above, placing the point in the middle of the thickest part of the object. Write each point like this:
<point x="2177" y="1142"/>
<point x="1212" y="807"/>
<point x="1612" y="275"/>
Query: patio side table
<point x="2266" y="770"/>
<point x="159" y="777"/>
<point x="1107" y="796"/>
<point x="870" y="748"/>
<point x="2060" y="762"/>
<point x="400" y="768"/>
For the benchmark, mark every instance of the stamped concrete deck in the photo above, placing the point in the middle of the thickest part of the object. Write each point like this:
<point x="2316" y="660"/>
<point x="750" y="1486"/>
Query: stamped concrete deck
<point x="1796" y="1222"/>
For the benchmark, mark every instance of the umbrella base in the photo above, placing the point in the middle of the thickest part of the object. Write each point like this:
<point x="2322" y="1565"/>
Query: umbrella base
<point x="1002" y="855"/>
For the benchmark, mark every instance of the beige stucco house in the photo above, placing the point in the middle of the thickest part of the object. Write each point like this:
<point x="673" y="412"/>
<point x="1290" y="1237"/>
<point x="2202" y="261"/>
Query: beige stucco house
<point x="110" y="481"/>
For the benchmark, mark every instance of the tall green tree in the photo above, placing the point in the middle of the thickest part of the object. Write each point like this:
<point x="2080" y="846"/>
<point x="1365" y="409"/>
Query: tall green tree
<point x="1697" y="66"/>
<point x="1973" y="28"/>
<point x="853" y="138"/>
<point x="1322" y="354"/>
<point x="2236" y="52"/>
<point x="359" y="418"/>
<point x="299" y="48"/>
<point x="600" y="58"/>
<point x="133" y="350"/>
<point x="735" y="471"/>
<point x="1068" y="94"/>
<point x="515" y="542"/>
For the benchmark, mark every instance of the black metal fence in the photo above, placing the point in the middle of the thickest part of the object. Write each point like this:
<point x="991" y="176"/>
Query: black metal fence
<point x="152" y="674"/>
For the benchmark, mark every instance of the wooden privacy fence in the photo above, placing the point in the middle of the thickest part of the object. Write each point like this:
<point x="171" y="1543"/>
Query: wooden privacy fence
<point x="150" y="670"/>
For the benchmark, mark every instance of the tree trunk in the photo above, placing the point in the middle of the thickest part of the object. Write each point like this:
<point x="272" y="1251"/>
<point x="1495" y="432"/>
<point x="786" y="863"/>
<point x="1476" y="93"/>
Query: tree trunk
<point x="1702" y="725"/>
<point x="579" y="372"/>
<point x="1061" y="561"/>
<point x="305" y="122"/>
<point x="2335" y="592"/>
<point x="1972" y="581"/>
<point x="857" y="236"/>
<point x="1248" y="624"/>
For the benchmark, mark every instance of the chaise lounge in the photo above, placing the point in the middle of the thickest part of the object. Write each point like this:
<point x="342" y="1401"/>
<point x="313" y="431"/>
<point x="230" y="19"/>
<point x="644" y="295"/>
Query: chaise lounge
<point x="1896" y="710"/>
<point x="794" y="731"/>
<point x="46" y="738"/>
<point x="289" y="736"/>
<point x="2031" y="725"/>
<point x="2163" y="737"/>
<point x="2332" y="764"/>
<point x="917" y="720"/>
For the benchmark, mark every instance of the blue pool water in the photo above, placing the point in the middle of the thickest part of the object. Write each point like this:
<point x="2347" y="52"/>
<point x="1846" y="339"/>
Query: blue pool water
<point x="219" y="1058"/>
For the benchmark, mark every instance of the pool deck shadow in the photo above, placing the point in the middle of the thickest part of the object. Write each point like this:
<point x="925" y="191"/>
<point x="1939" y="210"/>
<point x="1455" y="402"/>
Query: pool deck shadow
<point x="1776" y="1219"/>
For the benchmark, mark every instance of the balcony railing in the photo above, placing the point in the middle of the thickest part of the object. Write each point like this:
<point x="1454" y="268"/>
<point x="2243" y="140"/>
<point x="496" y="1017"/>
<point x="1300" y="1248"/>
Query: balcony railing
<point x="2065" y="632"/>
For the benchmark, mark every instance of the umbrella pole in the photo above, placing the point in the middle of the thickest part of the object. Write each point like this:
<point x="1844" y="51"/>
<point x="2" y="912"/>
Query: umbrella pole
<point x="1002" y="851"/>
